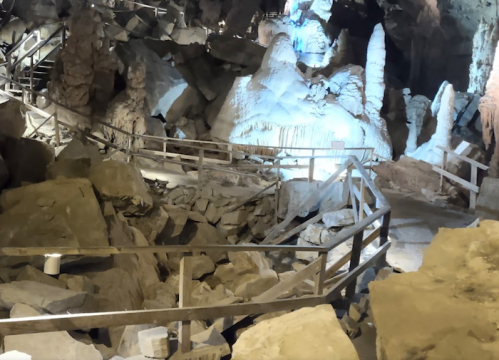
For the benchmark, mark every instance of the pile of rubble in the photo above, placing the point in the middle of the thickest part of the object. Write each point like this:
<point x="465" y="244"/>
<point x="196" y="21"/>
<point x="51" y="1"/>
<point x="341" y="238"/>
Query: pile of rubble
<point x="79" y="200"/>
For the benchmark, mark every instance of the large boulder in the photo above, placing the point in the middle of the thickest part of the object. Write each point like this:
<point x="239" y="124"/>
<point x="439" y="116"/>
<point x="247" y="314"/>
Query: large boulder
<point x="58" y="345"/>
<point x="164" y="83"/>
<point x="445" y="310"/>
<point x="12" y="123"/>
<point x="42" y="296"/>
<point x="26" y="160"/>
<point x="308" y="333"/>
<point x="488" y="198"/>
<point x="236" y="50"/>
<point x="53" y="213"/>
<point x="123" y="185"/>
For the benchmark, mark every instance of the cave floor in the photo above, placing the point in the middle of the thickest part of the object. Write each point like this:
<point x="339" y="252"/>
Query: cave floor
<point x="413" y="225"/>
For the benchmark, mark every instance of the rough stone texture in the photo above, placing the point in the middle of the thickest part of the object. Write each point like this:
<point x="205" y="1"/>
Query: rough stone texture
<point x="163" y="83"/>
<point x="487" y="202"/>
<point x="77" y="283"/>
<point x="201" y="265"/>
<point x="202" y="294"/>
<point x="151" y="225"/>
<point x="129" y="342"/>
<point x="4" y="172"/>
<point x="417" y="111"/>
<point x="26" y="160"/>
<point x="348" y="85"/>
<point x="409" y="174"/>
<point x="341" y="217"/>
<point x="235" y="50"/>
<point x="53" y="213"/>
<point x="126" y="111"/>
<point x="80" y="148"/>
<point x="154" y="343"/>
<point x="12" y="123"/>
<point x="84" y="70"/>
<point x="123" y="185"/>
<point x="445" y="310"/>
<point x="308" y="333"/>
<point x="160" y="296"/>
<point x="29" y="273"/>
<point x="41" y="296"/>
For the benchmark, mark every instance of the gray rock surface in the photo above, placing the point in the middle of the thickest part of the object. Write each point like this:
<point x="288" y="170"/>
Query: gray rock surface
<point x="42" y="296"/>
<point x="53" y="213"/>
<point x="123" y="185"/>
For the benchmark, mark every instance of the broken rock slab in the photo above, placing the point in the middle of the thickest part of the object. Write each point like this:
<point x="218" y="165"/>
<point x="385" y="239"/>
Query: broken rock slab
<point x="308" y="333"/>
<point x="29" y="273"/>
<point x="154" y="343"/>
<point x="446" y="309"/>
<point x="42" y="296"/>
<point x="123" y="185"/>
<point x="343" y="217"/>
<point x="62" y="212"/>
<point x="237" y="50"/>
<point x="129" y="342"/>
<point x="488" y="200"/>
<point x="57" y="345"/>
<point x="77" y="283"/>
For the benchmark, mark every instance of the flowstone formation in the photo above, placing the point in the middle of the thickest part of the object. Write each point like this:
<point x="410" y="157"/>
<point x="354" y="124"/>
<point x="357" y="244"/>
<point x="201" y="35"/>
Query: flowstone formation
<point x="278" y="107"/>
<point x="448" y="308"/>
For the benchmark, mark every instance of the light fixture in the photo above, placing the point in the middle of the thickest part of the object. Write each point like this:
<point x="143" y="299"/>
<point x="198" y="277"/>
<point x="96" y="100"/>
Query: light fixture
<point x="52" y="264"/>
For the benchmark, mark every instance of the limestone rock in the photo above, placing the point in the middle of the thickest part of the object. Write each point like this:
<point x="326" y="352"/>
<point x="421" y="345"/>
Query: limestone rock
<point x="236" y="50"/>
<point x="26" y="160"/>
<point x="151" y="225"/>
<point x="154" y="343"/>
<point x="235" y="217"/>
<point x="69" y="169"/>
<point x="42" y="296"/>
<point x="164" y="84"/>
<point x="487" y="203"/>
<point x="202" y="294"/>
<point x="80" y="148"/>
<point x="29" y="273"/>
<point x="251" y="285"/>
<point x="129" y="343"/>
<point x="160" y="296"/>
<point x="53" y="213"/>
<point x="197" y="217"/>
<point x="123" y="185"/>
<point x="447" y="305"/>
<point x="284" y="337"/>
<point x="210" y="337"/>
<point x="312" y="234"/>
<point x="201" y="265"/>
<point x="12" y="123"/>
<point x="77" y="283"/>
<point x="410" y="174"/>
<point x="4" y="172"/>
<point x="343" y="217"/>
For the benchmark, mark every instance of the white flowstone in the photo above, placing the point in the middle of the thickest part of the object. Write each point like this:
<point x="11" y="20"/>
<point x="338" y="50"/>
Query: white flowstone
<point x="15" y="355"/>
<point x="154" y="343"/>
<point x="429" y="152"/>
<point x="308" y="333"/>
<point x="348" y="85"/>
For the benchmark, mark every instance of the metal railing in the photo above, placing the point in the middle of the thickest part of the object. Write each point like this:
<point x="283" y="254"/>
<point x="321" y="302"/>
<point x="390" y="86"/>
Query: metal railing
<point x="326" y="286"/>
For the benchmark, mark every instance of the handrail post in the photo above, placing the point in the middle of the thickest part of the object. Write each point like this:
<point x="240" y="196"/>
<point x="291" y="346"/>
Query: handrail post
<point x="311" y="165"/>
<point x="352" y="196"/>
<point x="277" y="191"/>
<point x="383" y="236"/>
<point x="31" y="97"/>
<point x="320" y="278"/>
<point x="444" y="165"/>
<point x="8" y="72"/>
<point x="56" y="127"/>
<point x="355" y="261"/>
<point x="63" y="41"/>
<point x="200" y="168"/>
<point x="164" y="148"/>
<point x="473" y="194"/>
<point x="184" y="294"/>
<point x="128" y="148"/>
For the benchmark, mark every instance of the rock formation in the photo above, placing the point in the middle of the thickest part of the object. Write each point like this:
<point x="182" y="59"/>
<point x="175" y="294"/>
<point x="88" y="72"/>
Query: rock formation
<point x="84" y="71"/>
<point x="308" y="333"/>
<point x="127" y="112"/>
<point x="377" y="132"/>
<point x="417" y="110"/>
<point x="275" y="107"/>
<point x="484" y="43"/>
<point x="447" y="309"/>
<point x="442" y="136"/>
<point x="490" y="115"/>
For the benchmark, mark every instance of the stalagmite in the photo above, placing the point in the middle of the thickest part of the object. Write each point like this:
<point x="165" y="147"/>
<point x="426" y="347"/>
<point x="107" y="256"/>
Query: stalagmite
<point x="375" y="89"/>
<point x="485" y="39"/>
<point x="490" y="116"/>
<point x="429" y="152"/>
<point x="417" y="110"/>
<point x="435" y="105"/>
